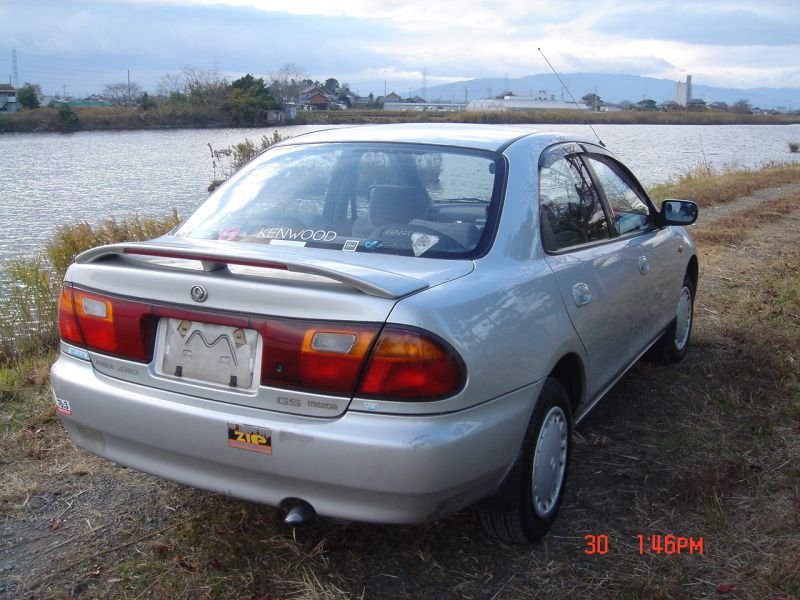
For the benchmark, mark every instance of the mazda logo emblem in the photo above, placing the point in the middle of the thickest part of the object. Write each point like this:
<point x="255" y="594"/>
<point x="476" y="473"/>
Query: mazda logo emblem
<point x="198" y="293"/>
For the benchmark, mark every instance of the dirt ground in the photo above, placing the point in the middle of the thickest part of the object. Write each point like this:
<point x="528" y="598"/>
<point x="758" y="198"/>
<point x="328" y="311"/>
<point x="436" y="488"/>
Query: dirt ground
<point x="74" y="525"/>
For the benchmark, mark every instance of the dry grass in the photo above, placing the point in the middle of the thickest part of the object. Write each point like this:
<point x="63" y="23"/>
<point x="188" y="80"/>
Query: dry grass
<point x="709" y="187"/>
<point x="736" y="227"/>
<point x="28" y="309"/>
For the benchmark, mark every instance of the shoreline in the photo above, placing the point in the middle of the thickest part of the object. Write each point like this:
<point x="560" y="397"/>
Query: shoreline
<point x="49" y="120"/>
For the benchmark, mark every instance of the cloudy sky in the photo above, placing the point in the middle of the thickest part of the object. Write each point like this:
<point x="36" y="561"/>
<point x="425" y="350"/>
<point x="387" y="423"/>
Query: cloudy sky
<point x="79" y="45"/>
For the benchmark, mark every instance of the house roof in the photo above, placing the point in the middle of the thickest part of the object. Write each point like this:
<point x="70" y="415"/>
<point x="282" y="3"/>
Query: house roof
<point x="7" y="87"/>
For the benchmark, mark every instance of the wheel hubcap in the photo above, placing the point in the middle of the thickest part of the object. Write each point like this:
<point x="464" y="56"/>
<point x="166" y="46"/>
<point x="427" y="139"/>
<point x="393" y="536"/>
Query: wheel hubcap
<point x="683" y="323"/>
<point x="549" y="462"/>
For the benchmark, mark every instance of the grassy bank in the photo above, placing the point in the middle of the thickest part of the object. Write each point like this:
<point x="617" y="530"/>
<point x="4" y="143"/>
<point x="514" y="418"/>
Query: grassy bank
<point x="708" y="186"/>
<point x="179" y="116"/>
<point x="44" y="120"/>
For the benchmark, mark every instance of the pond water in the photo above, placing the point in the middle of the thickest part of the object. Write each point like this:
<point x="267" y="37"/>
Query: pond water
<point x="53" y="179"/>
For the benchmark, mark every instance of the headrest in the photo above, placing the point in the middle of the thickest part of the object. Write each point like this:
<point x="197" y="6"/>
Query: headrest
<point x="396" y="204"/>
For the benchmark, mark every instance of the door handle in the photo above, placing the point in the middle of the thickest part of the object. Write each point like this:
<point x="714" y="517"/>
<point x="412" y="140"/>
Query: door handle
<point x="581" y="294"/>
<point x="644" y="265"/>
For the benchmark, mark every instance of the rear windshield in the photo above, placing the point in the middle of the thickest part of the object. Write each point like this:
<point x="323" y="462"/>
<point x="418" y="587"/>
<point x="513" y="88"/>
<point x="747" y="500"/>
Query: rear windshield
<point x="382" y="198"/>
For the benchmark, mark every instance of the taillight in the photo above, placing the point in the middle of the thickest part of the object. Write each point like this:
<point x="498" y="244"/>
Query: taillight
<point x="339" y="358"/>
<point x="98" y="322"/>
<point x="68" y="327"/>
<point x="318" y="357"/>
<point x="411" y="365"/>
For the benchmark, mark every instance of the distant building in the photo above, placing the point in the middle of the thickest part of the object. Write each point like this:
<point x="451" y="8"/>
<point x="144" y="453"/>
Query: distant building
<point x="391" y="97"/>
<point x="8" y="98"/>
<point x="696" y="104"/>
<point x="517" y="104"/>
<point x="315" y="98"/>
<point x="423" y="106"/>
<point x="683" y="91"/>
<point x="718" y="106"/>
<point x="646" y="104"/>
<point x="669" y="105"/>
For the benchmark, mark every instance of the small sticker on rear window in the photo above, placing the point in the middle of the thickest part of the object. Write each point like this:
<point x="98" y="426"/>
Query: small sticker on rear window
<point x="350" y="245"/>
<point x="62" y="406"/>
<point x="422" y="242"/>
<point x="228" y="233"/>
<point x="248" y="437"/>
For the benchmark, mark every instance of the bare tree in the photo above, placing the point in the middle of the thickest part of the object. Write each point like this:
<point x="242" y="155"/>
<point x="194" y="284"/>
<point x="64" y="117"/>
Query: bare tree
<point x="287" y="81"/>
<point x="122" y="93"/>
<point x="171" y="83"/>
<point x="203" y="80"/>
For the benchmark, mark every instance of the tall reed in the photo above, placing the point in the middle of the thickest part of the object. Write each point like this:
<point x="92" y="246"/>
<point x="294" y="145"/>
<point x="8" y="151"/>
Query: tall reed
<point x="30" y="291"/>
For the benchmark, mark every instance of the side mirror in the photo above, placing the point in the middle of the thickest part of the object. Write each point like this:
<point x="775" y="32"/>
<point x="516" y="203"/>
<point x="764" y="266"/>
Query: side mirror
<point x="678" y="212"/>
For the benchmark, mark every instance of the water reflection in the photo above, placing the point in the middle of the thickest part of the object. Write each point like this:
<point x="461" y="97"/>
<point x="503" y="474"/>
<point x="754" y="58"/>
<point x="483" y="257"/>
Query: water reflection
<point x="53" y="179"/>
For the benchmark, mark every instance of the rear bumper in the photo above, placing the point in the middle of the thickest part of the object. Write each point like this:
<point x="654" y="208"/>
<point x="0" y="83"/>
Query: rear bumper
<point x="360" y="466"/>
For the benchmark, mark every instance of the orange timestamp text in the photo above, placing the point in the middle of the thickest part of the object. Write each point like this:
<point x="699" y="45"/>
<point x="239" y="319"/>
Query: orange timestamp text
<point x="668" y="544"/>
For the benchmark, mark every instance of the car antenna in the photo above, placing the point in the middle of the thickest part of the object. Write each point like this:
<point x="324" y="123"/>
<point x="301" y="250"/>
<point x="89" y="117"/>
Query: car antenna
<point x="571" y="96"/>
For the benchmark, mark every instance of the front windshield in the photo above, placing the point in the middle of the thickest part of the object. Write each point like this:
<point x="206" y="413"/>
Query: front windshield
<point x="380" y="198"/>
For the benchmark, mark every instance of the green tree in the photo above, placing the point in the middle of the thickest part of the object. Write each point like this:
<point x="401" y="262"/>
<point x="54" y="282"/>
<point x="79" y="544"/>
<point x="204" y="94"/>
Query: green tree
<point x="146" y="102"/>
<point x="247" y="99"/>
<point x="69" y="120"/>
<point x="29" y="95"/>
<point x="331" y="85"/>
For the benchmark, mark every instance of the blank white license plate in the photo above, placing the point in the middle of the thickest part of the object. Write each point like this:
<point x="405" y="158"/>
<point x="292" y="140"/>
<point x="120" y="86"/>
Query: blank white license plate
<point x="209" y="353"/>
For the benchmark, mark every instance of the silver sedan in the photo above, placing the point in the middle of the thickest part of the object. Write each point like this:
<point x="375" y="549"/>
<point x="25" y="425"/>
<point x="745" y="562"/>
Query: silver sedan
<point x="381" y="323"/>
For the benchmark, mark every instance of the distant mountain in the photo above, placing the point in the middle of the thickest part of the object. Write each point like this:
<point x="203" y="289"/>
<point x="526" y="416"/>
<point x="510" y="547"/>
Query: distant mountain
<point x="611" y="88"/>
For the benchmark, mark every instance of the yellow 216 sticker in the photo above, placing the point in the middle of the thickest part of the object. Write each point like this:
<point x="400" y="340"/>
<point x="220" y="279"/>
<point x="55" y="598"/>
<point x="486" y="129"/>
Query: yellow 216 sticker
<point x="251" y="438"/>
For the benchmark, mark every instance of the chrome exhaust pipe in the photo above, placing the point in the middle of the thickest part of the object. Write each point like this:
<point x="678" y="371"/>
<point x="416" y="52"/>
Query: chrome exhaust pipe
<point x="300" y="513"/>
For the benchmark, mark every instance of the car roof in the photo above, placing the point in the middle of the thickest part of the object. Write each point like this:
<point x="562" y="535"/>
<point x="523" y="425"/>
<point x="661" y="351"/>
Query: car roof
<point x="481" y="137"/>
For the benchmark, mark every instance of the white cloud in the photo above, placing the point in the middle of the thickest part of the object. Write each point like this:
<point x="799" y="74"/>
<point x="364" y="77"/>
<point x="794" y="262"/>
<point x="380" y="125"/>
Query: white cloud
<point x="370" y="41"/>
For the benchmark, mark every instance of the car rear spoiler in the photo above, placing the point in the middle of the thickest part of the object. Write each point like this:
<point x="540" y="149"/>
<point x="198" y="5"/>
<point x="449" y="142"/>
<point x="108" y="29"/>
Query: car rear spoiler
<point x="372" y="281"/>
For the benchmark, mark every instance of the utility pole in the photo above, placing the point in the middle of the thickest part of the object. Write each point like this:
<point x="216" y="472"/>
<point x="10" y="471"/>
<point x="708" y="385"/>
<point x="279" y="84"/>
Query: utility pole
<point x="14" y="70"/>
<point x="424" y="83"/>
<point x="128" y="99"/>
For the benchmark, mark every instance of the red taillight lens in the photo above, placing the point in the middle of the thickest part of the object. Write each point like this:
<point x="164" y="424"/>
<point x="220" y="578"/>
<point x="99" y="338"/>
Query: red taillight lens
<point x="411" y="365"/>
<point x="68" y="327"/>
<point x="317" y="357"/>
<point x="405" y="364"/>
<point x="121" y="327"/>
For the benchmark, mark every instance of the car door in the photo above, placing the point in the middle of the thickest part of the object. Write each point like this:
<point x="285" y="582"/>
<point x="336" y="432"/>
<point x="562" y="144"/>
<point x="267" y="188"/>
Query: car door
<point x="596" y="273"/>
<point x="652" y="248"/>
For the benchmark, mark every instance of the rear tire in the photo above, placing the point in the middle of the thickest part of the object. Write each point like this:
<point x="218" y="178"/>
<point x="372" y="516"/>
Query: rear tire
<point x="674" y="343"/>
<point x="532" y="496"/>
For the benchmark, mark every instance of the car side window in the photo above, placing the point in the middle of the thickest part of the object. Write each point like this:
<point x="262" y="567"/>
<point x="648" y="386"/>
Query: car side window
<point x="570" y="208"/>
<point x="629" y="211"/>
